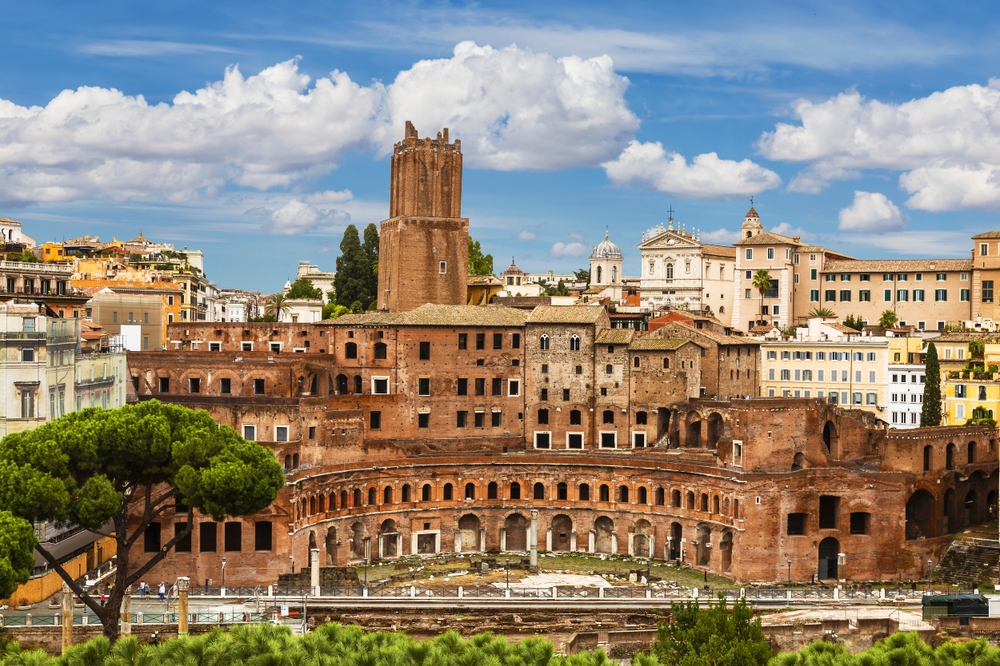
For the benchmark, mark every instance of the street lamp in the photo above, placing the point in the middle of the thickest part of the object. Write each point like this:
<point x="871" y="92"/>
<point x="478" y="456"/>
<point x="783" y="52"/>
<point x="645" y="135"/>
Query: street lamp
<point x="366" y="574"/>
<point x="506" y="569"/>
<point x="929" y="563"/>
<point x="223" y="573"/>
<point x="789" y="573"/>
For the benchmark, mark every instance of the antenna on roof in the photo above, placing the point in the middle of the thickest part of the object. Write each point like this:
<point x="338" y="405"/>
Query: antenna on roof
<point x="751" y="201"/>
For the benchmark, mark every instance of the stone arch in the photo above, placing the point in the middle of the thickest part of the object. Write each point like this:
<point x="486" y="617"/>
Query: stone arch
<point x="919" y="515"/>
<point x="492" y="490"/>
<point x="831" y="439"/>
<point x="341" y="384"/>
<point x="715" y="505"/>
<point x="799" y="462"/>
<point x="562" y="532"/>
<point x="449" y="492"/>
<point x="387" y="495"/>
<point x="372" y="496"/>
<point x="715" y="426"/>
<point x="829" y="549"/>
<point x="359" y="536"/>
<point x="641" y="533"/>
<point x="693" y="426"/>
<point x="604" y="493"/>
<point x="663" y="415"/>
<point x="357" y="497"/>
<point x="676" y="534"/>
<point x="516" y="529"/>
<point x="468" y="527"/>
<point x="675" y="498"/>
<point x="405" y="493"/>
<point x="331" y="542"/>
<point x="343" y="499"/>
<point x="703" y="549"/>
<point x="332" y="504"/>
<point x="538" y="491"/>
<point x="388" y="538"/>
<point x="604" y="528"/>
<point x="470" y="491"/>
<point x="312" y="505"/>
<point x="726" y="550"/>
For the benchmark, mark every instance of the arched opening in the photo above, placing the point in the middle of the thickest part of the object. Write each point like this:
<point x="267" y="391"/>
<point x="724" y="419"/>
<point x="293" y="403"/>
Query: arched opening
<point x="425" y="493"/>
<point x="405" y="493"/>
<point x="359" y="535"/>
<point x="635" y="362"/>
<point x="831" y="440"/>
<point x="543" y="342"/>
<point x="380" y="351"/>
<point x="350" y="350"/>
<point x="600" y="274"/>
<point x="951" y="522"/>
<point x="829" y="548"/>
<point x="333" y="502"/>
<point x="714" y="429"/>
<point x="320" y="501"/>
<point x="675" y="498"/>
<point x="341" y="384"/>
<point x="584" y="492"/>
<point x="991" y="505"/>
<point x="470" y="491"/>
<point x="562" y="491"/>
<point x="562" y="532"/>
<point x="676" y="534"/>
<point x="468" y="527"/>
<point x="640" y="538"/>
<point x="314" y="384"/>
<point x="725" y="506"/>
<point x="690" y="499"/>
<point x="371" y="496"/>
<point x="920" y="515"/>
<point x="357" y="497"/>
<point x="715" y="504"/>
<point x="449" y="492"/>
<point x="663" y="415"/>
<point x="642" y="495"/>
<point x="516" y="527"/>
<point x="331" y="545"/>
<point x="661" y="497"/>
<point x="928" y="452"/>
<point x="703" y="554"/>
<point x="388" y="535"/>
<point x="343" y="499"/>
<point x="798" y="462"/>
<point x="972" y="452"/>
<point x="604" y="493"/>
<point x="704" y="502"/>
<point x="515" y="490"/>
<point x="693" y="435"/>
<point x="603" y="529"/>
<point x="623" y="494"/>
<point x="539" y="491"/>
<point x="295" y="461"/>
<point x="949" y="457"/>
<point x="312" y="505"/>
<point x="288" y="462"/>
<point x="491" y="490"/>
<point x="357" y="384"/>
<point x="387" y="495"/>
<point x="726" y="549"/>
<point x="971" y="508"/>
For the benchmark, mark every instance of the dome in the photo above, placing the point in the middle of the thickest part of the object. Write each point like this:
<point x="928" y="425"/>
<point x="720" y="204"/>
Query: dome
<point x="606" y="250"/>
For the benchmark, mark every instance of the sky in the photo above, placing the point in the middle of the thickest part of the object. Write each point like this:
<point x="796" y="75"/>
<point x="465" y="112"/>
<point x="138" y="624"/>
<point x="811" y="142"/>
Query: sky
<point x="257" y="131"/>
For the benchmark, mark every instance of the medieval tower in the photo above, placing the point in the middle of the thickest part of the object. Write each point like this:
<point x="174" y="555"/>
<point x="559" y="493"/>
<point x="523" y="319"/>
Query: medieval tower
<point x="423" y="251"/>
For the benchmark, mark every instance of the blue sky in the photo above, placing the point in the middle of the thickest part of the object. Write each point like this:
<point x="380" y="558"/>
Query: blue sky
<point x="223" y="125"/>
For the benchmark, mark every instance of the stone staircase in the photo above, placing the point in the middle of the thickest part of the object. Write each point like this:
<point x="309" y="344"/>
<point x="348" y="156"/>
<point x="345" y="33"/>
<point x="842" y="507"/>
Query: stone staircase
<point x="972" y="558"/>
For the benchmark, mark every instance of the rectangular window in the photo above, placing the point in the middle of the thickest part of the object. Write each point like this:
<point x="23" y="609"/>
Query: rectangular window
<point x="963" y="295"/>
<point x="480" y="341"/>
<point x="786" y="375"/>
<point x="565" y="394"/>
<point x="865" y="277"/>
<point x="225" y="385"/>
<point x="375" y="420"/>
<point x="380" y="385"/>
<point x="151" y="538"/>
<point x="498" y="341"/>
<point x="423" y="420"/>
<point x="543" y="417"/>
<point x="887" y="295"/>
<point x="543" y="440"/>
<point x="246" y="346"/>
<point x="871" y="399"/>
<point x="262" y="532"/>
<point x="830" y="277"/>
<point x="425" y="351"/>
<point x="812" y="273"/>
<point x="902" y="295"/>
<point x="463" y="386"/>
<point x="480" y="419"/>
<point x="495" y="419"/>
<point x="983" y="249"/>
<point x="770" y="253"/>
<point x="513" y="387"/>
<point x="830" y="295"/>
<point x="845" y="295"/>
<point x="424" y="386"/>
<point x="208" y="537"/>
<point x="258" y="387"/>
<point x="463" y="340"/>
<point x="183" y="545"/>
<point x="480" y="386"/>
<point x="770" y="374"/>
<point x="462" y="419"/>
<point x="609" y="440"/>
<point x="797" y="523"/>
<point x="941" y="277"/>
<point x="194" y="385"/>
<point x="249" y="432"/>
<point x="987" y="291"/>
<point x="918" y="294"/>
<point x="515" y="341"/>
<point x="860" y="521"/>
<point x="442" y="267"/>
<point x="749" y="253"/>
<point x="233" y="536"/>
<point x="814" y="295"/>
<point x="829" y="512"/>
<point x="497" y="386"/>
<point x="545" y="395"/>
<point x="281" y="433"/>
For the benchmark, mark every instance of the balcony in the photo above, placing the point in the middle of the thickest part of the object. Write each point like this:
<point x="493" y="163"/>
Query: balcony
<point x="63" y="270"/>
<point x="22" y="335"/>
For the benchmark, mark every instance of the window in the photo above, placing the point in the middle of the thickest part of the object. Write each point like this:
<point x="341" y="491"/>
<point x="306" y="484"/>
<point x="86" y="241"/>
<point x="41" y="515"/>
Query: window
<point x="845" y="295"/>
<point x="194" y="385"/>
<point x="480" y="421"/>
<point x="423" y="420"/>
<point x="491" y="490"/>
<point x="425" y="351"/>
<point x="901" y="277"/>
<point x="902" y="295"/>
<point x="545" y="395"/>
<point x="480" y="341"/>
<point x="280" y="433"/>
<point x="262" y="535"/>
<point x="380" y="386"/>
<point x="797" y="523"/>
<point x="375" y="420"/>
<point x="574" y="440"/>
<point x="983" y="249"/>
<point x="860" y="521"/>
<point x="584" y="492"/>
<point x="543" y="342"/>
<point x="233" y="536"/>
<point x="495" y="419"/>
<point x="812" y="273"/>
<point x="814" y="295"/>
<point x="864" y="295"/>
<point x="918" y="294"/>
<point x="640" y="418"/>
<point x="515" y="341"/>
<point x="350" y="350"/>
<point x="246" y="346"/>
<point x="638" y="440"/>
<point x="424" y="386"/>
<point x="151" y="538"/>
<point x="987" y="291"/>
<point x="608" y="417"/>
<point x="463" y="340"/>
<point x="609" y="369"/>
<point x="887" y="295"/>
<point x="609" y="440"/>
<point x="496" y="387"/>
<point x="442" y="267"/>
<point x="864" y="277"/>
<point x="963" y="295"/>
<point x="749" y="253"/>
<point x="513" y="387"/>
<point x="498" y="341"/>
<point x="249" y="432"/>
<point x="258" y="387"/>
<point x="380" y="351"/>
<point x="770" y="253"/>
<point x="543" y="440"/>
<point x="480" y="386"/>
<point x="574" y="343"/>
<point x="515" y="490"/>
<point x="829" y="510"/>
<point x="164" y="384"/>
<point x="543" y="417"/>
<point x="207" y="537"/>
<point x="470" y="491"/>
<point x="565" y="395"/>
<point x="830" y="295"/>
<point x="28" y="355"/>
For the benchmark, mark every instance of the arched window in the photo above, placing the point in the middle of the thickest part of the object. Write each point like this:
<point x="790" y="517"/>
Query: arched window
<point x="343" y="499"/>
<point x="288" y="462"/>
<point x="449" y="491"/>
<point x="661" y="497"/>
<point x="666" y="364"/>
<point x="670" y="271"/>
<point x="515" y="490"/>
<point x="539" y="491"/>
<point x="312" y="505"/>
<point x="623" y="493"/>
<point x="405" y="493"/>
<point x="357" y="497"/>
<point x="715" y="504"/>
<point x="341" y="384"/>
<point x="604" y="493"/>
<point x="704" y="502"/>
<point x="333" y="502"/>
<point x="574" y="343"/>
<point x="387" y="495"/>
<point x="635" y="362"/>
<point x="609" y="416"/>
<point x="599" y="275"/>
<point x="295" y="461"/>
<point x="322" y="499"/>
<point x="562" y="491"/>
<point x="574" y="417"/>
<point x="491" y="490"/>
<point x="380" y="351"/>
<point x="675" y="498"/>
<point x="350" y="350"/>
<point x="357" y="384"/>
<point x="371" y="496"/>
<point x="425" y="493"/>
<point x="585" y="492"/>
<point x="543" y="342"/>
<point x="470" y="491"/>
<point x="642" y="496"/>
<point x="614" y="273"/>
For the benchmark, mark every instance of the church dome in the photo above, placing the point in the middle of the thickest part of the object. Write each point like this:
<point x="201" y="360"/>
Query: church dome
<point x="606" y="250"/>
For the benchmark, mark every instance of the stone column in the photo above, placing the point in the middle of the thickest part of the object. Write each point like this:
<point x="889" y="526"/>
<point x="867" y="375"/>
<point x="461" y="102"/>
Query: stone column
<point x="399" y="544"/>
<point x="572" y="541"/>
<point x="591" y="541"/>
<point x="533" y="540"/>
<point x="631" y="544"/>
<point x="503" y="539"/>
<point x="482" y="539"/>
<point x="458" y="541"/>
<point x="183" y="585"/>
<point x="314" y="571"/>
<point x="126" y="622"/>
<point x="703" y="434"/>
<point x="652" y="545"/>
<point x="67" y="617"/>
<point x="548" y="540"/>
<point x="614" y="543"/>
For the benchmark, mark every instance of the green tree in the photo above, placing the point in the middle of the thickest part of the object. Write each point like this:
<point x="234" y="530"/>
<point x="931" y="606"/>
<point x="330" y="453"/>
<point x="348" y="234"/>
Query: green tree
<point x="930" y="413"/>
<point x="276" y="306"/>
<point x="857" y="323"/>
<point x="479" y="263"/>
<point x="583" y="275"/>
<point x="128" y="466"/>
<point x="370" y="249"/>
<point x="716" y="636"/>
<point x="821" y="312"/>
<point x="303" y="288"/>
<point x="353" y="278"/>
<point x="888" y="319"/>
<point x="977" y="349"/>
<point x="17" y="540"/>
<point x="761" y="282"/>
<point x="334" y="310"/>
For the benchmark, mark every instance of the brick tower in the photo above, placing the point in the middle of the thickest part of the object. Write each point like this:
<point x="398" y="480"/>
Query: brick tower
<point x="424" y="246"/>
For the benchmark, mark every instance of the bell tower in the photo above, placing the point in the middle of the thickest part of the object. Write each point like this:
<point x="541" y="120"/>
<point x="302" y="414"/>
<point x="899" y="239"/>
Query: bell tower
<point x="424" y="246"/>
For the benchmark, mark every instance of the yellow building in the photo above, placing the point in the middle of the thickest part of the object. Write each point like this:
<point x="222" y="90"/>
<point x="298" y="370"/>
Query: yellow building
<point x="53" y="252"/>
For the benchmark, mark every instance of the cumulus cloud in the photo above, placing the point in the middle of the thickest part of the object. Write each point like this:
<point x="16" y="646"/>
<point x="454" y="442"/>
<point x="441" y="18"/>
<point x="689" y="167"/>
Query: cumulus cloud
<point x="526" y="236"/>
<point x="328" y="197"/>
<point x="871" y="212"/>
<point x="706" y="177"/>
<point x="785" y="229"/>
<point x="720" y="236"/>
<point x="570" y="249"/>
<point x="515" y="109"/>
<point x="299" y="217"/>
<point x="512" y="108"/>
<point x="947" y="144"/>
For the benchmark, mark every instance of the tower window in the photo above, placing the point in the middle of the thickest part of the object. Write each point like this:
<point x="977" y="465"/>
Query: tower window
<point x="442" y="267"/>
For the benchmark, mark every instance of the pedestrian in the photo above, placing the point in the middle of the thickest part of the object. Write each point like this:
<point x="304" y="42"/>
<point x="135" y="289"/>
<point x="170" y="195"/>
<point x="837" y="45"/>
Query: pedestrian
<point x="102" y="598"/>
<point x="706" y="575"/>
<point x="142" y="589"/>
<point x="162" y="589"/>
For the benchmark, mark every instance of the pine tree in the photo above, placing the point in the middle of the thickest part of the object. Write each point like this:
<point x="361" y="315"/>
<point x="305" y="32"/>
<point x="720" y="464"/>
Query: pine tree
<point x="930" y="413"/>
<point x="353" y="272"/>
<point x="370" y="248"/>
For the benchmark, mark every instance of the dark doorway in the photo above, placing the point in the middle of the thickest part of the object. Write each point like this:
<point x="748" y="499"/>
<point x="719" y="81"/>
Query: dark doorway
<point x="828" y="550"/>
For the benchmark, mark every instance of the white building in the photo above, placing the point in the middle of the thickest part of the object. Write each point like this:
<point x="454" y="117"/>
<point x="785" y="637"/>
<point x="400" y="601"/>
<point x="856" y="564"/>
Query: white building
<point x="606" y="270"/>
<point x="301" y="311"/>
<point x="906" y="395"/>
<point x="678" y="271"/>
<point x="322" y="280"/>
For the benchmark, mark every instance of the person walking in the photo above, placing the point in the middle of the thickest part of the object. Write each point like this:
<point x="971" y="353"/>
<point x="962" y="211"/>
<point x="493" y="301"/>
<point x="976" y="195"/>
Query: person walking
<point x="162" y="589"/>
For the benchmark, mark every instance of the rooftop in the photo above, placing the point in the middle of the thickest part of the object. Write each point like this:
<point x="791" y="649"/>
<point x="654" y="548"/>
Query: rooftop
<point x="896" y="265"/>
<point x="567" y="314"/>
<point x="615" y="336"/>
<point x="431" y="314"/>
<point x="655" y="344"/>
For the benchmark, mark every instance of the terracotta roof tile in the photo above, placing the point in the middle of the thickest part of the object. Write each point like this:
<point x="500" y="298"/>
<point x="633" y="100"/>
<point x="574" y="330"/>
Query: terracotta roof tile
<point x="768" y="238"/>
<point x="896" y="265"/>
<point x="719" y="251"/>
<point x="987" y="234"/>
<point x="430" y="314"/>
<point x="567" y="314"/>
<point x="615" y="336"/>
<point x="655" y="344"/>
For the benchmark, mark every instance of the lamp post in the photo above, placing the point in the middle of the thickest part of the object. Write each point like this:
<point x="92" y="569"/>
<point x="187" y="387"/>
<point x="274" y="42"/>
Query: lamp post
<point x="929" y="563"/>
<point x="789" y="562"/>
<point x="649" y="570"/>
<point x="223" y="574"/>
<point x="506" y="569"/>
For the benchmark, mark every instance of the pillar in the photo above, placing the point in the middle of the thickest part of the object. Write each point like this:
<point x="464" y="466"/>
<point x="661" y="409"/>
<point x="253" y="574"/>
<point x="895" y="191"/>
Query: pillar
<point x="614" y="543"/>
<point x="126" y="622"/>
<point x="503" y="539"/>
<point x="652" y="545"/>
<point x="314" y="571"/>
<point x="631" y="544"/>
<point x="572" y="541"/>
<point x="482" y="539"/>
<point x="67" y="618"/>
<point x="548" y="540"/>
<point x="591" y="541"/>
<point x="533" y="540"/>
<point x="458" y="541"/>
<point x="703" y="434"/>
<point x="183" y="585"/>
<point x="399" y="544"/>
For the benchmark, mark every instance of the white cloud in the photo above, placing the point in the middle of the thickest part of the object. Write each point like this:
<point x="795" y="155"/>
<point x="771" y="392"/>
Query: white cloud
<point x="947" y="144"/>
<point x="299" y="217"/>
<point x="512" y="108"/>
<point x="574" y="249"/>
<point x="720" y="236"/>
<point x="526" y="236"/>
<point x="871" y="212"/>
<point x="328" y="197"/>
<point x="706" y="177"/>
<point x="785" y="229"/>
<point x="139" y="47"/>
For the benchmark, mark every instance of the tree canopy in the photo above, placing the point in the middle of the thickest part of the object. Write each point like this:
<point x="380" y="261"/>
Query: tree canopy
<point x="303" y="288"/>
<point x="99" y="466"/>
<point x="930" y="411"/>
<point x="479" y="263"/>
<point x="17" y="541"/>
<point x="857" y="323"/>
<point x="888" y="319"/>
<point x="761" y="282"/>
<point x="715" y="636"/>
<point x="353" y="284"/>
<point x="370" y="250"/>
<point x="583" y="274"/>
